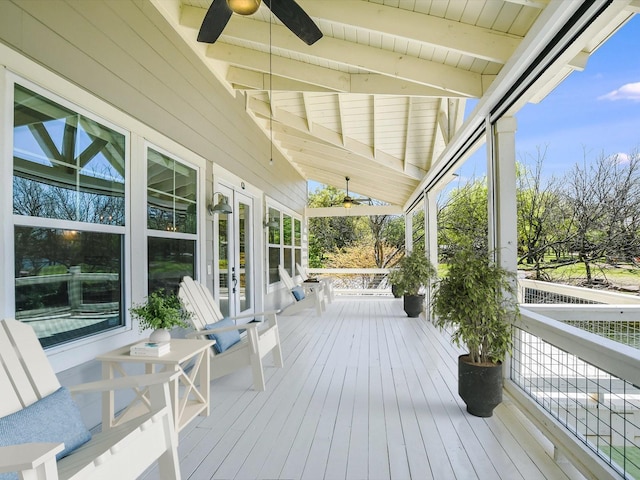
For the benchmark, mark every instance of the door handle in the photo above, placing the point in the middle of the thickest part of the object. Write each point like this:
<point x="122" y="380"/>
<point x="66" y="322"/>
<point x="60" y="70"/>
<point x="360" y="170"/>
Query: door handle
<point x="234" y="279"/>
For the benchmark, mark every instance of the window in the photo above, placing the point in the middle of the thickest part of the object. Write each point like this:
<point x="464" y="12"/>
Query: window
<point x="284" y="243"/>
<point x="69" y="211"/>
<point x="171" y="220"/>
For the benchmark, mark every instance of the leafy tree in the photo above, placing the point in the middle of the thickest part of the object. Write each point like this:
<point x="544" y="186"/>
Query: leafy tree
<point x="463" y="218"/>
<point x="327" y="234"/>
<point x="540" y="225"/>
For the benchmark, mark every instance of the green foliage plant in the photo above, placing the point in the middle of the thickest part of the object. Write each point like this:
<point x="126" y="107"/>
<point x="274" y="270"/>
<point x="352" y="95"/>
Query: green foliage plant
<point x="477" y="300"/>
<point x="414" y="272"/>
<point x="160" y="310"/>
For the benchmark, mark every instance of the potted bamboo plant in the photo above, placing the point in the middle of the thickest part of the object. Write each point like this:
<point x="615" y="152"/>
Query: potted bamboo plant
<point x="476" y="299"/>
<point x="160" y="312"/>
<point x="413" y="275"/>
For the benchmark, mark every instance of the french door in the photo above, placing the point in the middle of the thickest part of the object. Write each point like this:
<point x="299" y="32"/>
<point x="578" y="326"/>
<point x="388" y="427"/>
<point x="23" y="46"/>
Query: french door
<point x="235" y="279"/>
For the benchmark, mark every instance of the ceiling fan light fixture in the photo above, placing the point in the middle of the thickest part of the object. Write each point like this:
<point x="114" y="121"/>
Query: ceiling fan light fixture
<point x="244" y="7"/>
<point x="347" y="202"/>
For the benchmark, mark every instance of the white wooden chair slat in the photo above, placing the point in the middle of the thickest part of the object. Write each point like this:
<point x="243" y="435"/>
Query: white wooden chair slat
<point x="261" y="338"/>
<point x="28" y="367"/>
<point x="314" y="297"/>
<point x="122" y="453"/>
<point x="327" y="282"/>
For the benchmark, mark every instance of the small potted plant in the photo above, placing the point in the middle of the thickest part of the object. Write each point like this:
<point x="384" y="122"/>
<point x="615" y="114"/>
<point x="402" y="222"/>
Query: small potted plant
<point x="413" y="275"/>
<point x="477" y="300"/>
<point x="161" y="312"/>
<point x="394" y="280"/>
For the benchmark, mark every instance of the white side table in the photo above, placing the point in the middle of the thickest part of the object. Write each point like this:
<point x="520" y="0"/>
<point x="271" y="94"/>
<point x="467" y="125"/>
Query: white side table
<point x="195" y="396"/>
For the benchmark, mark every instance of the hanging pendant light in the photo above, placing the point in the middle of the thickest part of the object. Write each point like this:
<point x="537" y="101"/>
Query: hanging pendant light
<point x="244" y="7"/>
<point x="348" y="201"/>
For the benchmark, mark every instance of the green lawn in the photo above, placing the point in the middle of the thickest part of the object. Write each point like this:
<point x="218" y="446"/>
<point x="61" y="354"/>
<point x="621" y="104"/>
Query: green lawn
<point x="633" y="459"/>
<point x="621" y="274"/>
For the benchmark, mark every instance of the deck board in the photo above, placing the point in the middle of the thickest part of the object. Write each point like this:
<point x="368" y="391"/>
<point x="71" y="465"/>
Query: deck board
<point x="366" y="393"/>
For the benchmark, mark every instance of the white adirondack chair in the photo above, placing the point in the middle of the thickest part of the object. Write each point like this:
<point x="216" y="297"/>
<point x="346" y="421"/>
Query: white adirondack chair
<point x="261" y="337"/>
<point x="314" y="296"/>
<point x="124" y="452"/>
<point x="327" y="282"/>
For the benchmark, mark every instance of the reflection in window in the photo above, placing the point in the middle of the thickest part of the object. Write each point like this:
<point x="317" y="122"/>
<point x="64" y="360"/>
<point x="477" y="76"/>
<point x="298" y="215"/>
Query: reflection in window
<point x="169" y="260"/>
<point x="68" y="283"/>
<point x="171" y="194"/>
<point x="65" y="165"/>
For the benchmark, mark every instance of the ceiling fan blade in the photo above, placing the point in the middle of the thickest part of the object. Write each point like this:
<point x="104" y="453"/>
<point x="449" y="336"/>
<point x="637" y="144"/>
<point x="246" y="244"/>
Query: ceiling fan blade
<point x="295" y="19"/>
<point x="214" y="21"/>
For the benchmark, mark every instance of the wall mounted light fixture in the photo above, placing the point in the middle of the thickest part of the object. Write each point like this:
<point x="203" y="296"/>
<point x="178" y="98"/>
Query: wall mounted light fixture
<point x="221" y="207"/>
<point x="272" y="223"/>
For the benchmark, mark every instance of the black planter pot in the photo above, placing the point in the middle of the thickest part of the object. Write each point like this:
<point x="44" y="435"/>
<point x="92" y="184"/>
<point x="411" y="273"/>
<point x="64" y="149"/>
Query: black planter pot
<point x="480" y="386"/>
<point x="413" y="305"/>
<point x="395" y="290"/>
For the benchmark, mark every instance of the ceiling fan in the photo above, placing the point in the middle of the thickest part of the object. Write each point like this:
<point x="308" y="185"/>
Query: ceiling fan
<point x="349" y="201"/>
<point x="287" y="11"/>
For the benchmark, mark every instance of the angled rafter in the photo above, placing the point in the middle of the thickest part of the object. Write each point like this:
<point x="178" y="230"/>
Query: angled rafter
<point x="469" y="40"/>
<point x="425" y="72"/>
<point x="307" y="111"/>
<point x="261" y="109"/>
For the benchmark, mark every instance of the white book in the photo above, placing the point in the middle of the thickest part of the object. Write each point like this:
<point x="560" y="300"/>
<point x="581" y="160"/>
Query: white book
<point x="150" y="349"/>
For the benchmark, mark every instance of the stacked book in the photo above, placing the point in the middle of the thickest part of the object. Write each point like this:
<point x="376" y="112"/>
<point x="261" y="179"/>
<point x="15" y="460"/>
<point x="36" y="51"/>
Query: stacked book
<point x="150" y="349"/>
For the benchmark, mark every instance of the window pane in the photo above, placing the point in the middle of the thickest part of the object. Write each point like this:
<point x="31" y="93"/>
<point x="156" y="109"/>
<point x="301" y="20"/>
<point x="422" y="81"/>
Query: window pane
<point x="171" y="194"/>
<point x="297" y="232"/>
<point x="274" y="231"/>
<point x="274" y="261"/>
<point x="286" y="230"/>
<point x="170" y="259"/>
<point x="68" y="283"/>
<point x="298" y="256"/>
<point x="65" y="166"/>
<point x="288" y="264"/>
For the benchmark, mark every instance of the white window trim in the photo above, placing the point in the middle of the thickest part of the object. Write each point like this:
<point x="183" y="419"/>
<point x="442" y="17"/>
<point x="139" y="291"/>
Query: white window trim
<point x="271" y="203"/>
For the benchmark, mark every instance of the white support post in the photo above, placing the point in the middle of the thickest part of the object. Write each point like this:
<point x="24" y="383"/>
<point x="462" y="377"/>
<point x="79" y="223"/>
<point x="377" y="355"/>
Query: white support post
<point x="503" y="218"/>
<point x="408" y="231"/>
<point x="431" y="236"/>
<point x="501" y="173"/>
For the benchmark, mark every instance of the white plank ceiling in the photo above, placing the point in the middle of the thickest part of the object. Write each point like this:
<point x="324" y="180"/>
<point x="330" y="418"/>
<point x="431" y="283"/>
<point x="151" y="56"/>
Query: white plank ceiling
<point x="382" y="94"/>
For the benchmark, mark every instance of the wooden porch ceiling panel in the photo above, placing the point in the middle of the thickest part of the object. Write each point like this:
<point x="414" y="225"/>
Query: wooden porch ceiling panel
<point x="387" y="83"/>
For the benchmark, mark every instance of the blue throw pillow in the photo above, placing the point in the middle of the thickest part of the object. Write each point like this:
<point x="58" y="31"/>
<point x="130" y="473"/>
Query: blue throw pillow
<point x="224" y="340"/>
<point x="53" y="419"/>
<point x="298" y="292"/>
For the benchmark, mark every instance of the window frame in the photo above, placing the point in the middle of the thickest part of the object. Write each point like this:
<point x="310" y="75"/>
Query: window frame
<point x="295" y="249"/>
<point x="172" y="235"/>
<point x="13" y="80"/>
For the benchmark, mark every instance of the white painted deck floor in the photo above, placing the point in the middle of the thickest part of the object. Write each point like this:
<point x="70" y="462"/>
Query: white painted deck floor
<point x="366" y="393"/>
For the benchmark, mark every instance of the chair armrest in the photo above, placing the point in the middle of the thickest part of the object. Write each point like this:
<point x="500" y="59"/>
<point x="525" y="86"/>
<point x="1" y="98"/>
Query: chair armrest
<point x="28" y="456"/>
<point x="260" y="314"/>
<point x="125" y="382"/>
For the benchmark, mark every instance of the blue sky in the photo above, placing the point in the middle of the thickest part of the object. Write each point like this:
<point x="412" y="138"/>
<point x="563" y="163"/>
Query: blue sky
<point x="592" y="112"/>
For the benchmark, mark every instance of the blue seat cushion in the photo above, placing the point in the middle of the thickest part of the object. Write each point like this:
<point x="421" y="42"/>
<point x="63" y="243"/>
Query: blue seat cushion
<point x="53" y="419"/>
<point x="224" y="340"/>
<point x="298" y="292"/>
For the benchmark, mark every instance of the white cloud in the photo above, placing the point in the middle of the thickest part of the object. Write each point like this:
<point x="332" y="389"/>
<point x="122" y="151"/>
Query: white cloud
<point x="620" y="158"/>
<point x="629" y="91"/>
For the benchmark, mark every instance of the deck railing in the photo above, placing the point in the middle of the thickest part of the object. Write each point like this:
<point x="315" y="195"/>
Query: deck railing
<point x="357" y="281"/>
<point x="579" y="363"/>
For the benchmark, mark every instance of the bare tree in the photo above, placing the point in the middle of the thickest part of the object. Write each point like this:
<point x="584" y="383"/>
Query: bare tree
<point x="604" y="200"/>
